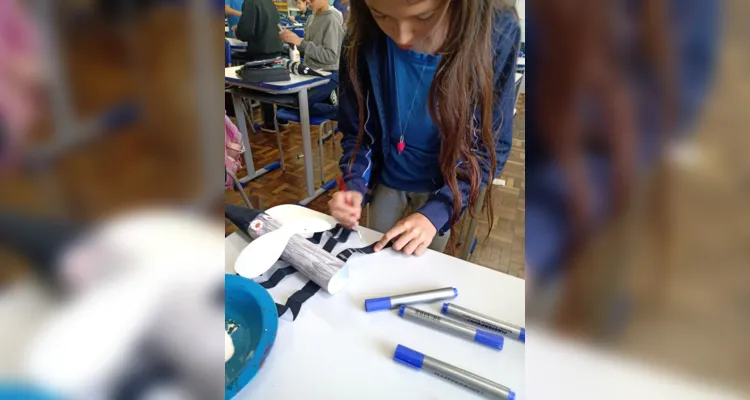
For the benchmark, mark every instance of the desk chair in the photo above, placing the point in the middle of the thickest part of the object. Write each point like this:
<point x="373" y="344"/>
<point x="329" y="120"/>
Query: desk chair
<point x="325" y="131"/>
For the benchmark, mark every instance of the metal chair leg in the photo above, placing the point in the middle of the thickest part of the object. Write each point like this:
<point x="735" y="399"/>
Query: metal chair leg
<point x="367" y="220"/>
<point x="321" y="129"/>
<point x="239" y="188"/>
<point x="463" y="235"/>
<point x="278" y="138"/>
<point x="471" y="231"/>
<point x="248" y="109"/>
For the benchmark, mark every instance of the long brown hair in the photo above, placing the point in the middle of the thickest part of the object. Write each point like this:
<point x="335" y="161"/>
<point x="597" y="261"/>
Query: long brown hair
<point x="581" y="58"/>
<point x="462" y="87"/>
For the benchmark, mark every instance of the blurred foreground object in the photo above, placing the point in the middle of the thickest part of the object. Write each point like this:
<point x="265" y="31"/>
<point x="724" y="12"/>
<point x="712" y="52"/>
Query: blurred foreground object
<point x="20" y="76"/>
<point x="143" y="314"/>
<point x="117" y="120"/>
<point x="607" y="375"/>
<point x="602" y="109"/>
<point x="637" y="211"/>
<point x="126" y="116"/>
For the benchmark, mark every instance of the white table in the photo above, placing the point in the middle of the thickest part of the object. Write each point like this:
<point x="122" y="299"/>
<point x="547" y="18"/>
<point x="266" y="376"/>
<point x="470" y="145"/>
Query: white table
<point x="566" y="369"/>
<point x="236" y="44"/>
<point x="355" y="348"/>
<point x="297" y="84"/>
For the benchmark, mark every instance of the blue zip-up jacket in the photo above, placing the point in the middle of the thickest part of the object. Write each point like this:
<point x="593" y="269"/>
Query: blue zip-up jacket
<point x="372" y="65"/>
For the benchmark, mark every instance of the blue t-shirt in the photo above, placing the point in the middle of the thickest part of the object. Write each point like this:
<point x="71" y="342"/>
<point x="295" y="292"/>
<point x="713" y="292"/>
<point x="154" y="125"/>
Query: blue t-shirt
<point x="417" y="169"/>
<point x="233" y="20"/>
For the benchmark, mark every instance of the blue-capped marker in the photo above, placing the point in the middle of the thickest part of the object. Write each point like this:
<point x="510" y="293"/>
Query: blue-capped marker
<point x="483" y="321"/>
<point x="458" y="328"/>
<point x="387" y="303"/>
<point x="453" y="374"/>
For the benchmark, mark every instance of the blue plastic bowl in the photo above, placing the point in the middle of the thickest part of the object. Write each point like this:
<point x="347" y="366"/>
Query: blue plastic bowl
<point x="251" y="314"/>
<point x="12" y="391"/>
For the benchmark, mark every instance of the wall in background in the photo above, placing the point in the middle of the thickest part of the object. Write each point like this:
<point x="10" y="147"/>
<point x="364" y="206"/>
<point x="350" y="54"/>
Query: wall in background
<point x="521" y="7"/>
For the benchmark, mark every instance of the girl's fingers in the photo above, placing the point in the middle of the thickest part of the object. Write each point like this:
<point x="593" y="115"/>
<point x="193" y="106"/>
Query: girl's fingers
<point x="343" y="204"/>
<point x="395" y="231"/>
<point x="343" y="218"/>
<point x="339" y="205"/>
<point x="421" y="248"/>
<point x="405" y="239"/>
<point x="353" y="197"/>
<point x="413" y="246"/>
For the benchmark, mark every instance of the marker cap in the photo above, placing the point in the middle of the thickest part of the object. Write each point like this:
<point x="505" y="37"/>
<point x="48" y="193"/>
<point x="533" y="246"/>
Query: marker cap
<point x="381" y="303"/>
<point x="522" y="336"/>
<point x="455" y="292"/>
<point x="444" y="310"/>
<point x="401" y="311"/>
<point x="407" y="356"/>
<point x="511" y="395"/>
<point x="489" y="339"/>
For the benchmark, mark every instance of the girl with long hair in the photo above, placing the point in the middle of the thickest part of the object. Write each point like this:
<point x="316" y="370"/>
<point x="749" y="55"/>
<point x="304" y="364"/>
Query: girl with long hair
<point x="426" y="112"/>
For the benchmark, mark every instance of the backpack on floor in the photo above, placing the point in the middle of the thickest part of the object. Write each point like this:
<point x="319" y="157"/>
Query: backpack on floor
<point x="233" y="149"/>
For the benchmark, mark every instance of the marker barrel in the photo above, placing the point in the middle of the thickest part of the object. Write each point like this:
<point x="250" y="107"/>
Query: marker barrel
<point x="453" y="374"/>
<point x="387" y="303"/>
<point x="457" y="328"/>
<point x="484" y="321"/>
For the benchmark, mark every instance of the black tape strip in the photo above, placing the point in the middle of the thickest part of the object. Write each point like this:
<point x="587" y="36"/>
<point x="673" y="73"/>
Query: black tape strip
<point x="345" y="254"/>
<point x="319" y="235"/>
<point x="295" y="301"/>
<point x="330" y="244"/>
<point x="316" y="237"/>
<point x="278" y="276"/>
<point x="280" y="310"/>
<point x="344" y="236"/>
<point x="335" y="230"/>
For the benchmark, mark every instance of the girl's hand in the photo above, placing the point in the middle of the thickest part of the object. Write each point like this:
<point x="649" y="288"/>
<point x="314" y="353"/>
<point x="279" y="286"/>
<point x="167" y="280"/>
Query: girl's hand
<point x="290" y="37"/>
<point x="346" y="207"/>
<point x="415" y="233"/>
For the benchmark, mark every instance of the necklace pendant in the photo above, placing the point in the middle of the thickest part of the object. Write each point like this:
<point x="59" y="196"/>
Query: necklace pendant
<point x="401" y="145"/>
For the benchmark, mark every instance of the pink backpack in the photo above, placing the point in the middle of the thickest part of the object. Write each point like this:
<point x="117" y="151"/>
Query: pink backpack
<point x="20" y="73"/>
<point x="233" y="149"/>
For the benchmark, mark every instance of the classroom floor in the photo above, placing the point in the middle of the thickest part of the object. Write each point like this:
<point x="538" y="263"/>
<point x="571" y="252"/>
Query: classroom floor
<point x="502" y="250"/>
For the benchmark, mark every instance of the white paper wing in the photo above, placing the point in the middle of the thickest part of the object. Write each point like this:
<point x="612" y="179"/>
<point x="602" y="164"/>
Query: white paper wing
<point x="260" y="255"/>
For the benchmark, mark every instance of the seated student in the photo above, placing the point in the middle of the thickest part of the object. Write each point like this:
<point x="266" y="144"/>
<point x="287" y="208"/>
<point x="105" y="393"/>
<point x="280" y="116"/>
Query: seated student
<point x="233" y="11"/>
<point x="324" y="33"/>
<point x="304" y="12"/>
<point x="342" y="6"/>
<point x="259" y="27"/>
